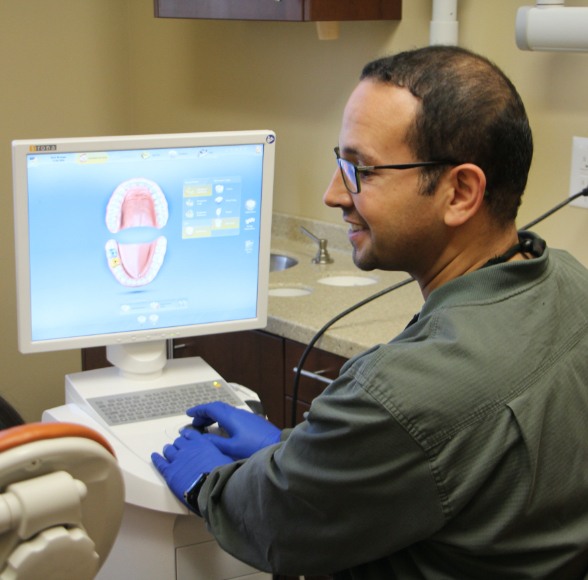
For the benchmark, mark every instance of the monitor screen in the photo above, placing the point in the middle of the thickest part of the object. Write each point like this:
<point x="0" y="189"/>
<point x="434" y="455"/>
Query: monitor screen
<point x="123" y="240"/>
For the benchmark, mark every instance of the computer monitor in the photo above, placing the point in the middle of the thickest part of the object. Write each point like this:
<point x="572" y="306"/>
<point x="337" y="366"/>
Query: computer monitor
<point x="130" y="241"/>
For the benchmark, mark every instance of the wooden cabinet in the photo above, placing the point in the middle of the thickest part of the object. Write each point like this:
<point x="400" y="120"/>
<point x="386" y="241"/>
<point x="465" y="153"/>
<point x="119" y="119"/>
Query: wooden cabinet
<point x="287" y="10"/>
<point x="261" y="361"/>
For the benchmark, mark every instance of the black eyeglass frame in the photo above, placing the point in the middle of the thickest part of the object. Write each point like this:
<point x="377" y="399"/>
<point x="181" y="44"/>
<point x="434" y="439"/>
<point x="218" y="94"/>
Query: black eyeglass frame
<point x="357" y="169"/>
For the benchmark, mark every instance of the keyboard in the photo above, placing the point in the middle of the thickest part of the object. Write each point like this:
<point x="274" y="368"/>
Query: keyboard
<point x="151" y="404"/>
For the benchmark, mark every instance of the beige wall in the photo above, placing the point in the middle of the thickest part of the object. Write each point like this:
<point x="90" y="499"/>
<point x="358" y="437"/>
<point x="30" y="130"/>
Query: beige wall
<point x="64" y="72"/>
<point x="109" y="67"/>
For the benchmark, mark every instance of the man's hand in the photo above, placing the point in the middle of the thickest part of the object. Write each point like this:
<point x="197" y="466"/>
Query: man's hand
<point x="186" y="459"/>
<point x="247" y="433"/>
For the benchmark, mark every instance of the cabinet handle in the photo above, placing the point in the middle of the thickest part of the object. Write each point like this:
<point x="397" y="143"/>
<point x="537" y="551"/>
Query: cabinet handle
<point x="316" y="375"/>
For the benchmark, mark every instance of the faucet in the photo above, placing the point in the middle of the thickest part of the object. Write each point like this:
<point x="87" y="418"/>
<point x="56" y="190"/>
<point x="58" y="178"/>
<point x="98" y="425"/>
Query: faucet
<point x="322" y="256"/>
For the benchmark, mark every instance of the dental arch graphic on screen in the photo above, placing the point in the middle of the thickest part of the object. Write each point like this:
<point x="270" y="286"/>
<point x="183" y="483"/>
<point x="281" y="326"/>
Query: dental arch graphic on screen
<point x="136" y="211"/>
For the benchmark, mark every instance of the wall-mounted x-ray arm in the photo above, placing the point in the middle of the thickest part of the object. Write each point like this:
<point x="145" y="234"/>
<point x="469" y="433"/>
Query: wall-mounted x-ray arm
<point x="444" y="25"/>
<point x="552" y="26"/>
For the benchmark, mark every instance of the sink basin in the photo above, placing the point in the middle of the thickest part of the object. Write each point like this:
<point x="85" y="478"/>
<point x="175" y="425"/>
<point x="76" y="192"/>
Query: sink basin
<point x="281" y="262"/>
<point x="347" y="280"/>
<point x="293" y="291"/>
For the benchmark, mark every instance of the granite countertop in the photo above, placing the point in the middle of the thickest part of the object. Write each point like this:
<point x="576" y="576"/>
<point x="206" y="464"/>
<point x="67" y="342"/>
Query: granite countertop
<point x="300" y="316"/>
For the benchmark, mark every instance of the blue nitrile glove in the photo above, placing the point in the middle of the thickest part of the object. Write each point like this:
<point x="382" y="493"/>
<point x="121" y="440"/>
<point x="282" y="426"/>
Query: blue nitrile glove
<point x="188" y="457"/>
<point x="247" y="433"/>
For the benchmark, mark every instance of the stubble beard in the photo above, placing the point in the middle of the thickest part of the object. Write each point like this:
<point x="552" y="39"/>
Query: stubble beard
<point x="366" y="261"/>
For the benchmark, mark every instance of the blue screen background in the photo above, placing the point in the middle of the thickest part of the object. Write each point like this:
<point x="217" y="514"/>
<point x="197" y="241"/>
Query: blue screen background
<point x="202" y="280"/>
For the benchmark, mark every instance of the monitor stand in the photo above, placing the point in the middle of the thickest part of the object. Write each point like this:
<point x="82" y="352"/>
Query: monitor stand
<point x="159" y="537"/>
<point x="139" y="360"/>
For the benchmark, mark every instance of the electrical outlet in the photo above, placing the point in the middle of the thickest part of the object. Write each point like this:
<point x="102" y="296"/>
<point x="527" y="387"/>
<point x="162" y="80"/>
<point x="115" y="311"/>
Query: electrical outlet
<point x="579" y="172"/>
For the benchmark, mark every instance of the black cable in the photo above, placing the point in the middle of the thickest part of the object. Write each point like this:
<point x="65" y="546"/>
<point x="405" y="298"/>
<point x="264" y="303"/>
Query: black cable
<point x="302" y="360"/>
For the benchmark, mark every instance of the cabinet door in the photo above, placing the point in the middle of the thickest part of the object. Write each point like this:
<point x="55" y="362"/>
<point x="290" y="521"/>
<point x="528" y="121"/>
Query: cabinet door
<point x="295" y="10"/>
<point x="319" y="362"/>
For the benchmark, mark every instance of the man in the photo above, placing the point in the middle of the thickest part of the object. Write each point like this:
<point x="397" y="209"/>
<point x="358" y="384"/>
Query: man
<point x="460" y="449"/>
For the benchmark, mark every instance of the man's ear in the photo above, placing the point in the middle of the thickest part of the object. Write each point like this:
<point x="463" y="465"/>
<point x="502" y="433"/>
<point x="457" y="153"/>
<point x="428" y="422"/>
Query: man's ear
<point x="465" y="194"/>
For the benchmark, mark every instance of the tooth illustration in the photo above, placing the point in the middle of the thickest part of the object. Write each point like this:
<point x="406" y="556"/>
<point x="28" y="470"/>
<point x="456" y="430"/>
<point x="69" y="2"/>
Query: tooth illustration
<point x="136" y="203"/>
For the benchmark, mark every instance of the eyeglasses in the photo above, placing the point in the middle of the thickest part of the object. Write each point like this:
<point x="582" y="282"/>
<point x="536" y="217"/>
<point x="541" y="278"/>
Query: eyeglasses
<point x="351" y="172"/>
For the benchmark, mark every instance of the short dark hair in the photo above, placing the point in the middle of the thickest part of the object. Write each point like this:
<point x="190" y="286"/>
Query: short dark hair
<point x="469" y="111"/>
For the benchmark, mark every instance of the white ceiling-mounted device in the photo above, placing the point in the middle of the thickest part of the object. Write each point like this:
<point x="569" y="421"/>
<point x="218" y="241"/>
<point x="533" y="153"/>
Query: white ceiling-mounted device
<point x="552" y="26"/>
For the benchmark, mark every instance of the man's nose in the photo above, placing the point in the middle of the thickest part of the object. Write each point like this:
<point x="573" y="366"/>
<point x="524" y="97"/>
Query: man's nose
<point x="336" y="194"/>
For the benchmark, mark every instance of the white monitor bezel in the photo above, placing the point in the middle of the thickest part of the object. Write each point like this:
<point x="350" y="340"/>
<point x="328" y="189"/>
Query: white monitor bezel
<point x="23" y="147"/>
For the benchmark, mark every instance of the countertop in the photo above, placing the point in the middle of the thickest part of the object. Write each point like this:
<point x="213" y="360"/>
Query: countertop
<point x="299" y="317"/>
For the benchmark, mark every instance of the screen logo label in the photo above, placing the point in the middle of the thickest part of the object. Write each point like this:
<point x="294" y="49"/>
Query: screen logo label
<point x="40" y="148"/>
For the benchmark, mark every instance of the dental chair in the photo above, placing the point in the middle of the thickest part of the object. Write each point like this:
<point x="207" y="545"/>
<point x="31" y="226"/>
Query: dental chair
<point x="61" y="501"/>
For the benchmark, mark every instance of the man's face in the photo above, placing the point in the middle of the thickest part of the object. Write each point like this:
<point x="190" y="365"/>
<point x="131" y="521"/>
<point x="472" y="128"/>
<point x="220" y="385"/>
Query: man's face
<point x="391" y="225"/>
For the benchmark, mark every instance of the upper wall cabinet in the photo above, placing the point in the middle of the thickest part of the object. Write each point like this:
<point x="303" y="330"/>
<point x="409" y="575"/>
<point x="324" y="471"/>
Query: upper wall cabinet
<point x="293" y="10"/>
